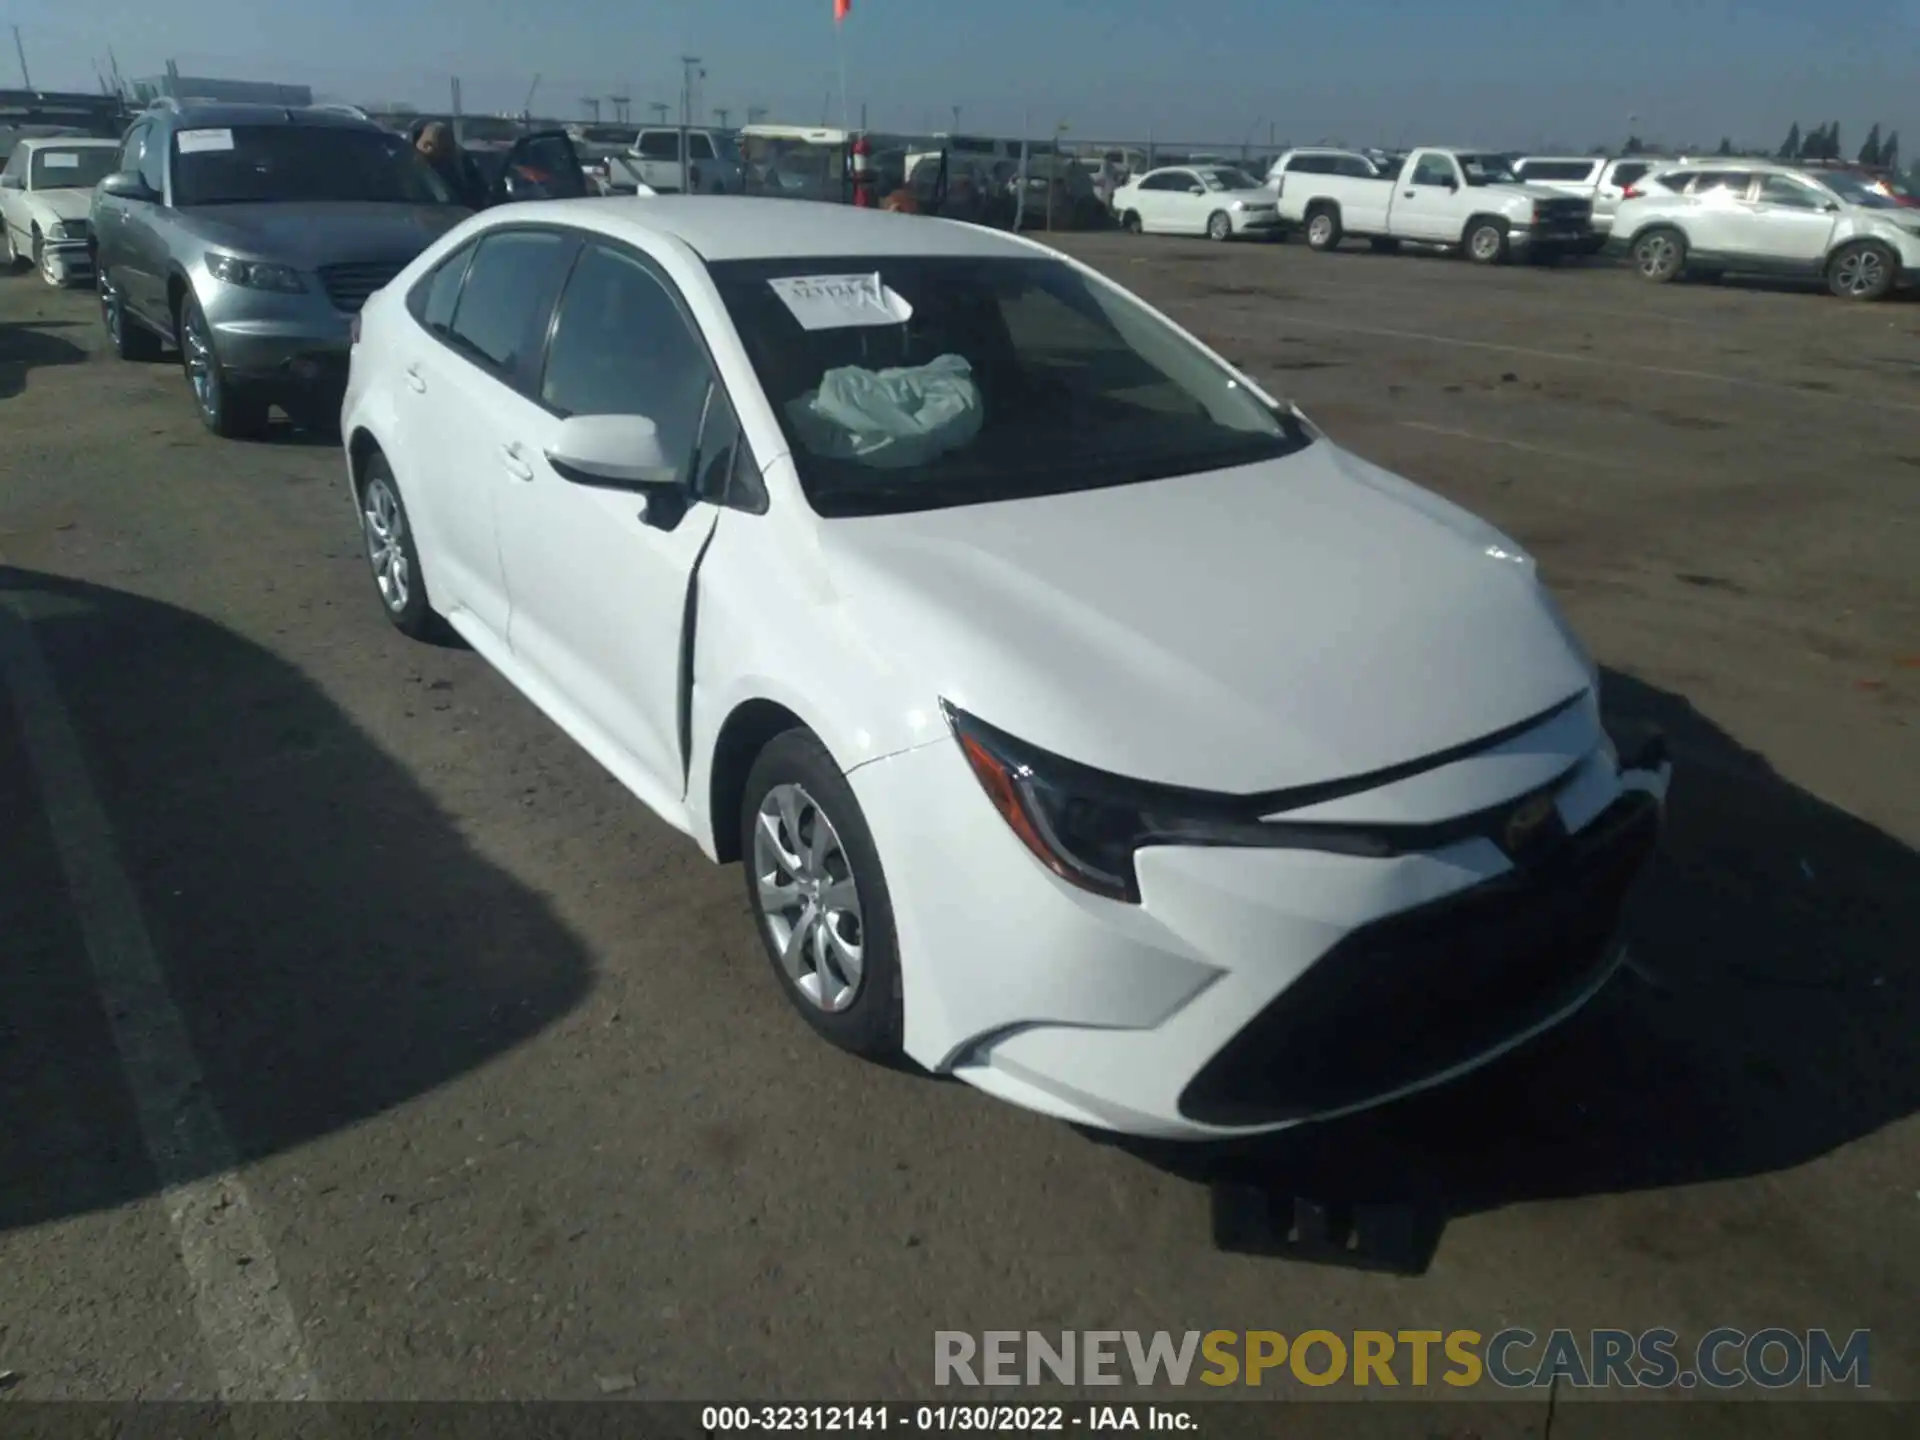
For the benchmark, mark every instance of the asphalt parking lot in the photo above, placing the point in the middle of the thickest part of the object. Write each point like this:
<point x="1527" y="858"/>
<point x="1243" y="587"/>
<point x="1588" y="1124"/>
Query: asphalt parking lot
<point x="520" y="1113"/>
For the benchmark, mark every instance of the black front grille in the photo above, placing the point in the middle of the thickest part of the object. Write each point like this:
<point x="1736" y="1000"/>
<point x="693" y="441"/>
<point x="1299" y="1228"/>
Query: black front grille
<point x="348" y="286"/>
<point x="1562" y="212"/>
<point x="1419" y="992"/>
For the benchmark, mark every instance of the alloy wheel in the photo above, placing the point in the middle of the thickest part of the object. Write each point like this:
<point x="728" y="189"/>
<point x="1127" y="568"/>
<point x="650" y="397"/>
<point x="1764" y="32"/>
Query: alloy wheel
<point x="1860" y="272"/>
<point x="1321" y="230"/>
<point x="1658" y="256"/>
<point x="44" y="258"/>
<point x="1219" y="227"/>
<point x="807" y="898"/>
<point x="198" y="351"/>
<point x="386" y="529"/>
<point x="1486" y="243"/>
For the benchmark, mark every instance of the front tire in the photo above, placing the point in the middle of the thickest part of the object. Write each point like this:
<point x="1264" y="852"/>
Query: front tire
<point x="819" y="897"/>
<point x="1660" y="256"/>
<point x="393" y="553"/>
<point x="1219" y="226"/>
<point x="1862" y="270"/>
<point x="1486" y="243"/>
<point x="225" y="408"/>
<point x="43" y="262"/>
<point x="12" y="262"/>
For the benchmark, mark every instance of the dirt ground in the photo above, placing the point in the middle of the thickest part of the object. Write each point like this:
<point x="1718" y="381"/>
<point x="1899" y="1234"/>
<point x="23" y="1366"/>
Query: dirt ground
<point x="521" y="1114"/>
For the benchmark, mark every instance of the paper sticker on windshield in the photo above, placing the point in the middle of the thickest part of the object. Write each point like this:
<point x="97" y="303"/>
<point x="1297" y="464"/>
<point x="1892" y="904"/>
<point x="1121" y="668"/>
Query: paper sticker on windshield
<point x="835" y="302"/>
<point x="60" y="160"/>
<point x="198" y="142"/>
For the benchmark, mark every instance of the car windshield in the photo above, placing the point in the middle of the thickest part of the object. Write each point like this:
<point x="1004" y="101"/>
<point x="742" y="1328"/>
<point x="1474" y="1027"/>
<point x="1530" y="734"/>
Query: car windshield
<point x="80" y="167"/>
<point x="1487" y="169"/>
<point x="1227" y="178"/>
<point x="252" y="164"/>
<point x="1856" y="190"/>
<point x="917" y="383"/>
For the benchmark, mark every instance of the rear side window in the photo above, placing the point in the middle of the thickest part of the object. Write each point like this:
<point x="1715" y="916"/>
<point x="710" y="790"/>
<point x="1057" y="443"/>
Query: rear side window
<point x="1625" y="175"/>
<point x="1354" y="166"/>
<point x="433" y="299"/>
<point x="1674" y="180"/>
<point x="1310" y="165"/>
<point x="1708" y="182"/>
<point x="504" y="306"/>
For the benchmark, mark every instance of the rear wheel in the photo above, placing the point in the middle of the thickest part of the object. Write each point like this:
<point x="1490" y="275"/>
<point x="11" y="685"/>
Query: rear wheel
<point x="393" y="554"/>
<point x="1660" y="255"/>
<point x="129" y="338"/>
<point x="1323" y="229"/>
<point x="1130" y="222"/>
<point x="1863" y="270"/>
<point x="819" y="896"/>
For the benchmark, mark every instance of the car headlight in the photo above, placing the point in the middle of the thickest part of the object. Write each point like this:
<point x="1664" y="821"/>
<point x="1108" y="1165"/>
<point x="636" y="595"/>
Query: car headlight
<point x="1238" y="205"/>
<point x="1086" y="826"/>
<point x="254" y="274"/>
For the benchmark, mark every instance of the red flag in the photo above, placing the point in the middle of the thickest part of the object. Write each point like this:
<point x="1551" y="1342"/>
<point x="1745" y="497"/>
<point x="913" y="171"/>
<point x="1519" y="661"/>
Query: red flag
<point x="841" y="9"/>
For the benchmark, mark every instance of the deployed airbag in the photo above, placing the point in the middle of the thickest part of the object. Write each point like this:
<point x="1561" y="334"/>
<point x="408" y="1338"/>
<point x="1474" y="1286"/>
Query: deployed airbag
<point x="890" y="419"/>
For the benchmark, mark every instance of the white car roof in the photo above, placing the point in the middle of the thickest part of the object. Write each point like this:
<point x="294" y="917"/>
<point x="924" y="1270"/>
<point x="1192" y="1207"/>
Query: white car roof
<point x="740" y="227"/>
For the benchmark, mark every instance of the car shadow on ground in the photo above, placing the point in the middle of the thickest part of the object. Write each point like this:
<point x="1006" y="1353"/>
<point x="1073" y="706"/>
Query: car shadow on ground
<point x="26" y="346"/>
<point x="1771" y="1014"/>
<point x="333" y="945"/>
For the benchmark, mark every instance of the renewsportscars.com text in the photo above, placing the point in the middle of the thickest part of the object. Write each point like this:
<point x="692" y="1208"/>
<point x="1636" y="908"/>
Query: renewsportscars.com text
<point x="1513" y="1358"/>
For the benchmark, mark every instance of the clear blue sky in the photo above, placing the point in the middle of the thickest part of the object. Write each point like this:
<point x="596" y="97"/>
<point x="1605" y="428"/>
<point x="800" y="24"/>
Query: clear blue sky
<point x="1510" y="73"/>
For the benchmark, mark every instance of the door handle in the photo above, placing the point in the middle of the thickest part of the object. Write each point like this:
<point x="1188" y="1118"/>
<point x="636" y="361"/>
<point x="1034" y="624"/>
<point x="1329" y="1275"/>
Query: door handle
<point x="517" y="467"/>
<point x="1407" y="195"/>
<point x="416" y="382"/>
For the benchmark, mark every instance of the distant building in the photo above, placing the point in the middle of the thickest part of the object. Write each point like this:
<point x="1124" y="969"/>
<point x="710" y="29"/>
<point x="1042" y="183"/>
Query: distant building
<point x="235" y="92"/>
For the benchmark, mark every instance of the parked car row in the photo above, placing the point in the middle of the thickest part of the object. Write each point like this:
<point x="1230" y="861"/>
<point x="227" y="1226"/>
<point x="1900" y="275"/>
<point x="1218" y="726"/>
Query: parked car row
<point x="1858" y="231"/>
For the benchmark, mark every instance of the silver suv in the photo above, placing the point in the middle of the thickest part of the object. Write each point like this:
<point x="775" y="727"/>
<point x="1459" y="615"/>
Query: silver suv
<point x="1708" y="217"/>
<point x="249" y="236"/>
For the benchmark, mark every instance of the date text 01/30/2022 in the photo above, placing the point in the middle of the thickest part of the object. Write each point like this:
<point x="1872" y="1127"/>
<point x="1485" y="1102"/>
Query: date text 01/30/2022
<point x="941" y="1419"/>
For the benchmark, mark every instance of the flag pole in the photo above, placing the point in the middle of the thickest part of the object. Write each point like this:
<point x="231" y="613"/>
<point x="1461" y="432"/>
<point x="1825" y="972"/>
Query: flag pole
<point x="840" y="44"/>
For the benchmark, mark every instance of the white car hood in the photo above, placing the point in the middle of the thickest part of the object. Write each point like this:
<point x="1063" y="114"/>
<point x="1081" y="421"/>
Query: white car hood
<point x="1306" y="619"/>
<point x="65" y="204"/>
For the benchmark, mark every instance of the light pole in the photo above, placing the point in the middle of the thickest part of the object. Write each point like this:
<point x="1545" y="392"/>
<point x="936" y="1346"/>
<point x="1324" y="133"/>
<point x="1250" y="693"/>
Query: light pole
<point x="956" y="120"/>
<point x="720" y="113"/>
<point x="689" y="71"/>
<point x="1246" y="140"/>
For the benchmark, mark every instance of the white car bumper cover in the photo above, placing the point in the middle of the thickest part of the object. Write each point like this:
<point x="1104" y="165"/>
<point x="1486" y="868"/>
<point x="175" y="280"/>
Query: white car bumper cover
<point x="1250" y="989"/>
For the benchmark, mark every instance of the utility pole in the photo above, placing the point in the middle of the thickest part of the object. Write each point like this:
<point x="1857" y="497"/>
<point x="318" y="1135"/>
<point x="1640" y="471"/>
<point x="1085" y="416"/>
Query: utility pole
<point x="20" y="49"/>
<point x="689" y="69"/>
<point x="621" y="104"/>
<point x="526" y="106"/>
<point x="659" y="109"/>
<point x="456" y="97"/>
<point x="591" y="104"/>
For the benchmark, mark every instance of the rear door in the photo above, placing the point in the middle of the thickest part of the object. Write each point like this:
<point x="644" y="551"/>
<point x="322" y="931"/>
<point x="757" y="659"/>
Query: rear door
<point x="1614" y="183"/>
<point x="1717" y="210"/>
<point x="483" y="316"/>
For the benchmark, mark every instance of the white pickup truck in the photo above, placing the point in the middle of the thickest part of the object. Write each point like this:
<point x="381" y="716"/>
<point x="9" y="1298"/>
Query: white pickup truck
<point x="1464" y="198"/>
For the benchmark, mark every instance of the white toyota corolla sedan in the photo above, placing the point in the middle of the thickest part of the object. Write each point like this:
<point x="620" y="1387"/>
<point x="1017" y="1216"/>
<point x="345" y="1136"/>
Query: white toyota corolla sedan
<point x="1089" y="726"/>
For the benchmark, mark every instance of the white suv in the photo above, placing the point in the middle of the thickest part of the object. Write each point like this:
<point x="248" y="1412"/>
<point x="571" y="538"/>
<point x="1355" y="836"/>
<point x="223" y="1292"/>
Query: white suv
<point x="1708" y="217"/>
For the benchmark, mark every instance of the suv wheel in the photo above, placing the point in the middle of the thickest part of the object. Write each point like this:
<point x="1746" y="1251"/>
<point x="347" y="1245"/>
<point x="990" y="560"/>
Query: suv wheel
<point x="1660" y="255"/>
<point x="225" y="409"/>
<point x="129" y="338"/>
<point x="1863" y="270"/>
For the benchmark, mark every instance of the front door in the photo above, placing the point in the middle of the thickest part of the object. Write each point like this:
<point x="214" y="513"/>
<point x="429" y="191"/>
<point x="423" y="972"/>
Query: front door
<point x="1427" y="206"/>
<point x="485" y="308"/>
<point x="1787" y="222"/>
<point x="599" y="590"/>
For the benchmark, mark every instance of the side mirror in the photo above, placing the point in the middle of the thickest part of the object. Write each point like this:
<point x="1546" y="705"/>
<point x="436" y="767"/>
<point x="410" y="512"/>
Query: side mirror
<point x="1453" y="184"/>
<point x="127" y="185"/>
<point x="1197" y="190"/>
<point x="621" y="452"/>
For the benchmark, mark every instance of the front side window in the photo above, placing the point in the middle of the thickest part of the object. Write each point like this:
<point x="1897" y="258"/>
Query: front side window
<point x="507" y="299"/>
<point x="74" y="167"/>
<point x="1793" y="194"/>
<point x="153" y="160"/>
<point x="1433" y="170"/>
<point x="660" y="144"/>
<point x="621" y="347"/>
<point x="133" y="146"/>
<point x="699" y="147"/>
<point x="1487" y="170"/>
<point x="260" y="164"/>
<point x="1002" y="378"/>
